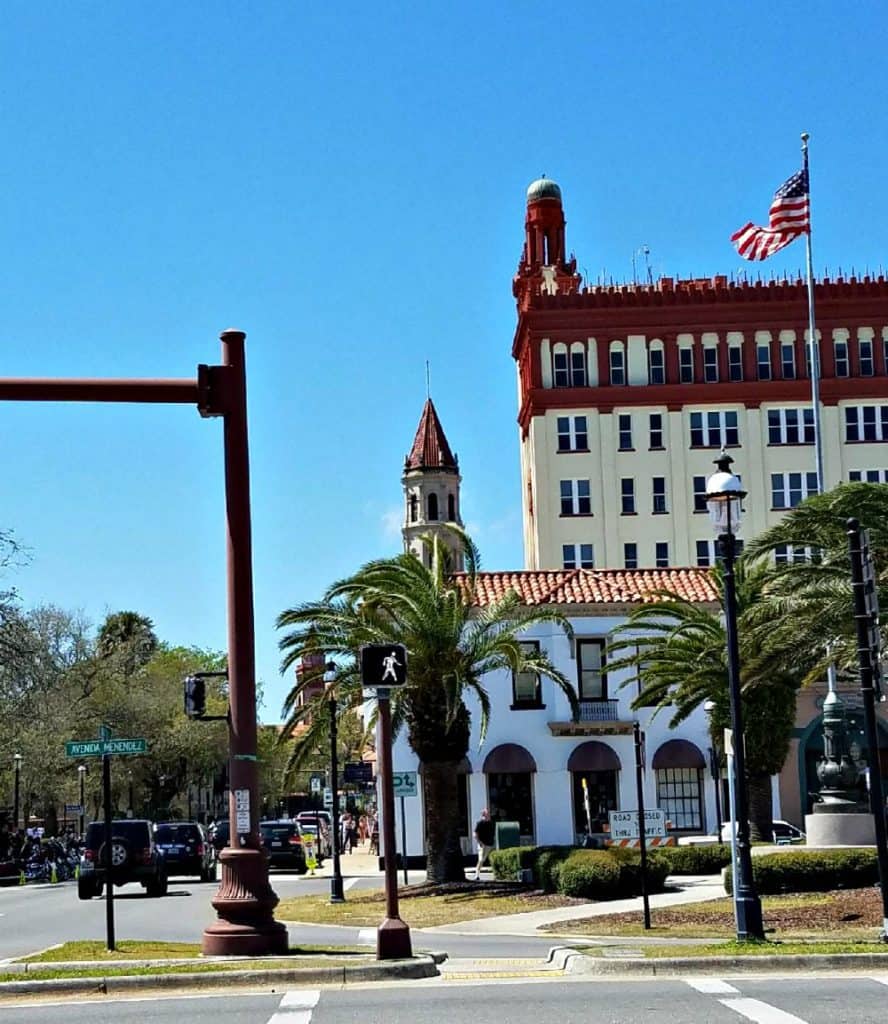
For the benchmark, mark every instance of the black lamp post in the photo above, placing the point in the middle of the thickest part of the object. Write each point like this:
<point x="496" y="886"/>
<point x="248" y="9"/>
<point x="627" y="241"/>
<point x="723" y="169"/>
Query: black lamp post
<point x="724" y="496"/>
<point x="17" y="762"/>
<point x="81" y="771"/>
<point x="336" y="893"/>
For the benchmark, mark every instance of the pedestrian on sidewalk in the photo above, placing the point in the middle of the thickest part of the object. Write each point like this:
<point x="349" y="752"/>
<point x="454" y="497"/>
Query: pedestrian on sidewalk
<point x="484" y="833"/>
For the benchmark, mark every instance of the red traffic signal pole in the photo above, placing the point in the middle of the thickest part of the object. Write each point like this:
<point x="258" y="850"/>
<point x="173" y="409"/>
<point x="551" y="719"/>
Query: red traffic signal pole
<point x="245" y="901"/>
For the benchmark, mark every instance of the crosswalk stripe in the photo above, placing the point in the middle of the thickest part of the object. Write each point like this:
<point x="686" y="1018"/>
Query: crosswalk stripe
<point x="712" y="986"/>
<point x="761" y="1013"/>
<point x="296" y="1006"/>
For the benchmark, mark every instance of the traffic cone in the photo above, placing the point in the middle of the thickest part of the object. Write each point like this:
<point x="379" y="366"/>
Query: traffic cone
<point x="76" y="872"/>
<point x="53" y="875"/>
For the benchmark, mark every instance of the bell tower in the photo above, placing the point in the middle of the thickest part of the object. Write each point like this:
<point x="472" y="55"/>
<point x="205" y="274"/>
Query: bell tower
<point x="544" y="268"/>
<point x="431" y="488"/>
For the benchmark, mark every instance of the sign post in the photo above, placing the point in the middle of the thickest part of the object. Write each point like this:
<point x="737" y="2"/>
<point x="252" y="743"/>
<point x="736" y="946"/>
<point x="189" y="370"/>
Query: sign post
<point x="639" y="787"/>
<point x="384" y="666"/>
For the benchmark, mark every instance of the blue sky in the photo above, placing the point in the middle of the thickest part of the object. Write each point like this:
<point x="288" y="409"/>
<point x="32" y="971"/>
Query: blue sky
<point x="347" y="186"/>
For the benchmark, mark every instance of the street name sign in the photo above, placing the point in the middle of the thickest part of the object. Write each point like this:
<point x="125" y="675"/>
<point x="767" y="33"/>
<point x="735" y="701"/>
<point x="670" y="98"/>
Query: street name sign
<point x="624" y="824"/>
<point x="98" y="748"/>
<point x="404" y="783"/>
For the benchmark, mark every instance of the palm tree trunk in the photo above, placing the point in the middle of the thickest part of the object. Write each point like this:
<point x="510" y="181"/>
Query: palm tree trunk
<point x="444" y="858"/>
<point x="761" y="824"/>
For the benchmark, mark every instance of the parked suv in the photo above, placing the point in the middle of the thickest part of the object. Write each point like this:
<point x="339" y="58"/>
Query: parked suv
<point x="186" y="850"/>
<point x="133" y="857"/>
<point x="283" y="842"/>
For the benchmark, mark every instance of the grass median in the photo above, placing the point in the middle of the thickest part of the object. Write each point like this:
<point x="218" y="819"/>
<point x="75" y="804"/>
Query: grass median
<point x="140" y="949"/>
<point x="852" y="915"/>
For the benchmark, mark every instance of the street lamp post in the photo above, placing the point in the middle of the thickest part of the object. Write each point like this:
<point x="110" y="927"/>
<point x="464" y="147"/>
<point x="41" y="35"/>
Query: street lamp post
<point x="81" y="771"/>
<point x="724" y="496"/>
<point x="17" y="762"/>
<point x="336" y="892"/>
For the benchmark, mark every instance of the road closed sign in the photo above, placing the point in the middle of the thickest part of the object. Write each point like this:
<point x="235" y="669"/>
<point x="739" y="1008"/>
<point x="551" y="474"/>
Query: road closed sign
<point x="624" y="824"/>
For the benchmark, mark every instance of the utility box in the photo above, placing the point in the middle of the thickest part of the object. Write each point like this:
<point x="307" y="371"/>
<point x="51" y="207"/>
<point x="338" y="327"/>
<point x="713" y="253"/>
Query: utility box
<point x="508" y="834"/>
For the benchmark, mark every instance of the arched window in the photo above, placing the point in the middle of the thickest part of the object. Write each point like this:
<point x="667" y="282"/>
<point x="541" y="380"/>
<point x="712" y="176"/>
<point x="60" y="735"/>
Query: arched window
<point x="656" y="362"/>
<point x="617" y="363"/>
<point x="451" y="508"/>
<point x="560" y="371"/>
<point x="413" y="507"/>
<point x="578" y="365"/>
<point x="432" y="506"/>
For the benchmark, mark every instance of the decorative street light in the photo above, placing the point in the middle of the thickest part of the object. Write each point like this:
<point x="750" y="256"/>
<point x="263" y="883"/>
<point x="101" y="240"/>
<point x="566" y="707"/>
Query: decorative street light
<point x="17" y="762"/>
<point x="724" y="496"/>
<point x="336" y="892"/>
<point x="81" y="771"/>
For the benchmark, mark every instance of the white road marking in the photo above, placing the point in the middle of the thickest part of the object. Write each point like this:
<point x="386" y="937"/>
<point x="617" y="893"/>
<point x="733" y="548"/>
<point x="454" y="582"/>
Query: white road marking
<point x="712" y="986"/>
<point x="881" y="978"/>
<point x="296" y="1007"/>
<point x="367" y="936"/>
<point x="761" y="1013"/>
<point x="349" y="882"/>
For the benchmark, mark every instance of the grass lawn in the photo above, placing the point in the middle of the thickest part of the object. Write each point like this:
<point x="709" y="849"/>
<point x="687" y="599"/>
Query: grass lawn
<point x="137" y="949"/>
<point x="765" y="949"/>
<point x="121" y="970"/>
<point x="463" y="903"/>
<point x="846" y="916"/>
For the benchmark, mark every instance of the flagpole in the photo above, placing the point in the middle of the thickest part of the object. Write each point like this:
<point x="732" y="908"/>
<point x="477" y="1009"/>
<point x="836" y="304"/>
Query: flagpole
<point x="813" y="348"/>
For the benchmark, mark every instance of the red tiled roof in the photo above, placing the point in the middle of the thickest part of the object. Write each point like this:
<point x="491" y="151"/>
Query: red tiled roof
<point x="430" y="448"/>
<point x="595" y="586"/>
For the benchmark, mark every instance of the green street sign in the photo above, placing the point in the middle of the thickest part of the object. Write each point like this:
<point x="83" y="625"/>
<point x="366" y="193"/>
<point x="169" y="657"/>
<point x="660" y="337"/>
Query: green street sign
<point x="97" y="748"/>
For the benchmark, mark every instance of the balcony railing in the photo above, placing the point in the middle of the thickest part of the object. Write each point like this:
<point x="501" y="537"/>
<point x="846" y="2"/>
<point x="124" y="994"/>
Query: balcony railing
<point x="599" y="710"/>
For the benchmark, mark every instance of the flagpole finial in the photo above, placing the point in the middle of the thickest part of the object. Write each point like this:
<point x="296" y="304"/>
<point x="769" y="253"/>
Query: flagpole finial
<point x="805" y="137"/>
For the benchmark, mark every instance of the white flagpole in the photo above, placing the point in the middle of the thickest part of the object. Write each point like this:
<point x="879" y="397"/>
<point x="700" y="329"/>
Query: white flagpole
<point x="813" y="348"/>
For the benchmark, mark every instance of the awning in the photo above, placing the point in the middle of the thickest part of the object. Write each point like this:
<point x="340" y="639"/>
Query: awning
<point x="593" y="756"/>
<point x="509" y="758"/>
<point x="678" y="754"/>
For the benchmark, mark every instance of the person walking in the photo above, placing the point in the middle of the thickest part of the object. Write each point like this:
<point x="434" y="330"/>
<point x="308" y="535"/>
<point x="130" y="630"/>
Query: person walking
<point x="484" y="833"/>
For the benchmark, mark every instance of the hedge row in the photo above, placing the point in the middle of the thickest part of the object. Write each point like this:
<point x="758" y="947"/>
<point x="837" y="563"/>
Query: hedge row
<point x="812" y="871"/>
<point x="692" y="860"/>
<point x="589" y="874"/>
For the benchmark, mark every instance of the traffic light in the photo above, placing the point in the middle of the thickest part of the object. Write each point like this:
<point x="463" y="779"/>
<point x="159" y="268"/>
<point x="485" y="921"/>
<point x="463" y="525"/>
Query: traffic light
<point x="195" y="696"/>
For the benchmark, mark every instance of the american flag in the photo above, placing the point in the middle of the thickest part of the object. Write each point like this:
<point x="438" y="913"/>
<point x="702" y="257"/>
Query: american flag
<point x="788" y="218"/>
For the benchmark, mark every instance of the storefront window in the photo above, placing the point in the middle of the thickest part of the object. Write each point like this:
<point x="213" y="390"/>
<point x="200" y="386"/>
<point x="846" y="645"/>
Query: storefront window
<point x="679" y="796"/>
<point x="510" y="798"/>
<point x="594" y="801"/>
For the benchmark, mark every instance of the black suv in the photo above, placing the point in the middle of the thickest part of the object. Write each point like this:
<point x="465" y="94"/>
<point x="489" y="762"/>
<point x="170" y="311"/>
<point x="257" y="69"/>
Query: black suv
<point x="133" y="857"/>
<point x="186" y="850"/>
<point x="282" y="841"/>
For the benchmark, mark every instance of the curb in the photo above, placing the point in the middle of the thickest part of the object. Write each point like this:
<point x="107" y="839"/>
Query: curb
<point x="572" y="961"/>
<point x="423" y="966"/>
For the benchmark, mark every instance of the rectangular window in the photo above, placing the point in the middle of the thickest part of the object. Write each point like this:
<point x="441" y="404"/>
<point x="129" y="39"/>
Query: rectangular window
<point x="865" y="356"/>
<point x="869" y="476"/>
<point x="625" y="427"/>
<point x="592" y="684"/>
<point x="656" y="367"/>
<point x="680" y="797"/>
<point x="790" y="426"/>
<point x="659" y="495"/>
<point x="576" y="499"/>
<point x="710" y="364"/>
<point x="866" y="423"/>
<point x="790" y="489"/>
<point x="577" y="368"/>
<point x="617" y="367"/>
<point x="656" y="430"/>
<point x="714" y="429"/>
<point x="627" y="496"/>
<point x="763" y="361"/>
<point x="559" y="364"/>
<point x="630" y="556"/>
<point x="661" y="554"/>
<point x="700" y="494"/>
<point x="573" y="555"/>
<point x="842" y="365"/>
<point x="572" y="434"/>
<point x="705" y="553"/>
<point x="787" y="360"/>
<point x="686" y="365"/>
<point x="735" y="363"/>
<point x="526" y="688"/>
<point x="790" y="554"/>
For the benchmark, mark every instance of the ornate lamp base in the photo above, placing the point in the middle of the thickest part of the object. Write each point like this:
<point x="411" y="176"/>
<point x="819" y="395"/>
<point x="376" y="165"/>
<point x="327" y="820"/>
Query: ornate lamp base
<point x="245" y="904"/>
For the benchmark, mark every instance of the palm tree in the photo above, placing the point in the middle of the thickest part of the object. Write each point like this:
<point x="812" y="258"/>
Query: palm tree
<point x="806" y="620"/>
<point x="452" y="643"/>
<point x="130" y="637"/>
<point x="678" y="653"/>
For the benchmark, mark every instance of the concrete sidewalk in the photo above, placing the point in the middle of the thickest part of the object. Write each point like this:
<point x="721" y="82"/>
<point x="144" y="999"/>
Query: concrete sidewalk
<point x="685" y="889"/>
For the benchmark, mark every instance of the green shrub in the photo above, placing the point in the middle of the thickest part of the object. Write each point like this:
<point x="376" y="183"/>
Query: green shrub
<point x="507" y="863"/>
<point x="811" y="871"/>
<point x="692" y="860"/>
<point x="547" y="866"/>
<point x="591" y="874"/>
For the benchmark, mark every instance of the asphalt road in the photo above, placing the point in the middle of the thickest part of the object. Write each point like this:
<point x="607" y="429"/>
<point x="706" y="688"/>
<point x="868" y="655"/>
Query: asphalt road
<point x="798" y="1000"/>
<point x="34" y="917"/>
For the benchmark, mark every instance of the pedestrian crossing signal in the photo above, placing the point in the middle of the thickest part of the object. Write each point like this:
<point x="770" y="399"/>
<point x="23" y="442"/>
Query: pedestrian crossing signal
<point x="383" y="665"/>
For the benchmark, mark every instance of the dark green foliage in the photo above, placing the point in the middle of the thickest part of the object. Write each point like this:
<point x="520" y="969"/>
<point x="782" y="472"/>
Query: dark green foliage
<point x="812" y="871"/>
<point x="692" y="860"/>
<point x="591" y="874"/>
